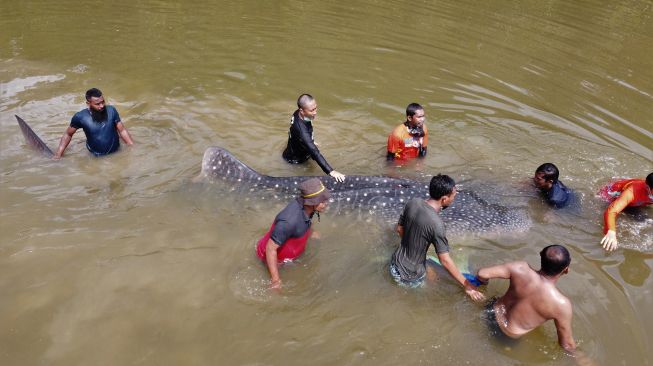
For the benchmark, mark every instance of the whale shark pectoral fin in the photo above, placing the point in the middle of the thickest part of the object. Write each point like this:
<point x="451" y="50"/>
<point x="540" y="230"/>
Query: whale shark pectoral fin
<point x="32" y="139"/>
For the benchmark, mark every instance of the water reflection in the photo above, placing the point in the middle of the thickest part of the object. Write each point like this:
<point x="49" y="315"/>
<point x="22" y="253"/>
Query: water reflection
<point x="634" y="269"/>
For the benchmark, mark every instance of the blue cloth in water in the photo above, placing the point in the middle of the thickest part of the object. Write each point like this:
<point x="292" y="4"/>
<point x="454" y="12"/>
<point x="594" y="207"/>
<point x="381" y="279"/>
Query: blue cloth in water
<point x="468" y="276"/>
<point x="472" y="279"/>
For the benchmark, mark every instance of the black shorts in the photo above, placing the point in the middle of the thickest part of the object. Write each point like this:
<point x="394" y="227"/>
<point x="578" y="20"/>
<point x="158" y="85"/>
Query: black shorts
<point x="490" y="318"/>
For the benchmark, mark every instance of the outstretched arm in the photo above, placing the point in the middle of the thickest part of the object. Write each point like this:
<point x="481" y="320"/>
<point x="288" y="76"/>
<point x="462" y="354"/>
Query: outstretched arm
<point x="124" y="134"/>
<point x="609" y="241"/>
<point x="451" y="267"/>
<point x="307" y="140"/>
<point x="500" y="271"/>
<point x="63" y="143"/>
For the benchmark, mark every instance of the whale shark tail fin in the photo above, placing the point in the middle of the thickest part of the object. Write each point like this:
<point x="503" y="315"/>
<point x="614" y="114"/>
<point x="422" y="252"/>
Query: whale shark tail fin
<point x="32" y="139"/>
<point x="218" y="163"/>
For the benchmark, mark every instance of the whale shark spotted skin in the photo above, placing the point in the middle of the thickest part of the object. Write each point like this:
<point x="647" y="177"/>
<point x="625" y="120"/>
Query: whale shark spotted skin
<point x="366" y="196"/>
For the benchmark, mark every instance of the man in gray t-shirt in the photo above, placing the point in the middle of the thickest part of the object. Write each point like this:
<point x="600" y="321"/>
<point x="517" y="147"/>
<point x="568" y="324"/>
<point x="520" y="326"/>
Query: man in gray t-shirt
<point x="420" y="226"/>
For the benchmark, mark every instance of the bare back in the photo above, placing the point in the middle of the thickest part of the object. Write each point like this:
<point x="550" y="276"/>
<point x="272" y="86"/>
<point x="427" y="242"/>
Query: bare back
<point x="531" y="300"/>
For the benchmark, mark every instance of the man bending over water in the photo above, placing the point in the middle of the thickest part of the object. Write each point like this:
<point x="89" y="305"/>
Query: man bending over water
<point x="623" y="193"/>
<point x="420" y="226"/>
<point x="287" y="236"/>
<point x="532" y="297"/>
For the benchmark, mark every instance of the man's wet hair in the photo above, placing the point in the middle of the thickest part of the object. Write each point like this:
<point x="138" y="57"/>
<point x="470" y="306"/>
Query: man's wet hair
<point x="550" y="171"/>
<point x="441" y="185"/>
<point x="412" y="109"/>
<point x="93" y="93"/>
<point x="303" y="100"/>
<point x="649" y="180"/>
<point x="554" y="258"/>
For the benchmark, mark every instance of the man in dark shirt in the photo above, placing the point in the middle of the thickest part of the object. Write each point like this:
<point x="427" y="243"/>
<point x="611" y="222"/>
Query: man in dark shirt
<point x="555" y="193"/>
<point x="420" y="226"/>
<point x="101" y="124"/>
<point x="301" y="145"/>
<point x="287" y="236"/>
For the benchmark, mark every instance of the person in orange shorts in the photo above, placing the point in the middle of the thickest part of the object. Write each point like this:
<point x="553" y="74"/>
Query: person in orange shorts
<point x="409" y="139"/>
<point x="623" y="193"/>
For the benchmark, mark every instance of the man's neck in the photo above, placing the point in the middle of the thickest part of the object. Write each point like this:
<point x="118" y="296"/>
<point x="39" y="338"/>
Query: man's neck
<point x="309" y="210"/>
<point x="436" y="204"/>
<point x="549" y="278"/>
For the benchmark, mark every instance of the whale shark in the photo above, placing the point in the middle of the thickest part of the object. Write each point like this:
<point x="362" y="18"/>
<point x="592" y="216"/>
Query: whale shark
<point x="365" y="196"/>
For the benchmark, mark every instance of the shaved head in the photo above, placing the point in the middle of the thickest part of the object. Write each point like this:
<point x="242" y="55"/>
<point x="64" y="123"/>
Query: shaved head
<point x="303" y="100"/>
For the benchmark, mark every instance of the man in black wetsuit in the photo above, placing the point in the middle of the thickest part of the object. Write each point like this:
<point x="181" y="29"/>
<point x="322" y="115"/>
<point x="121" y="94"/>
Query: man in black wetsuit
<point x="301" y="145"/>
<point x="101" y="124"/>
<point x="555" y="193"/>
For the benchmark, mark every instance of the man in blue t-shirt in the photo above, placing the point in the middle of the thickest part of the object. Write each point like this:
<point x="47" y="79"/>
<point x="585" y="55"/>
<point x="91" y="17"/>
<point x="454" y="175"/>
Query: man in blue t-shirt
<point x="101" y="124"/>
<point x="554" y="192"/>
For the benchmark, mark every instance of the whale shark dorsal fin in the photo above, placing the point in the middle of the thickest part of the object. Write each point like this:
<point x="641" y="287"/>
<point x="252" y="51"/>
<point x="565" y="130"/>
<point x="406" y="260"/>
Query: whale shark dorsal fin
<point x="32" y="139"/>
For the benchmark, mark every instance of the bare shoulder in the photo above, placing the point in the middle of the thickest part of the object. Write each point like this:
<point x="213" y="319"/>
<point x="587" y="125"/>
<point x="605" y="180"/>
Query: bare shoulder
<point x="559" y="305"/>
<point x="563" y="301"/>
<point x="518" y="267"/>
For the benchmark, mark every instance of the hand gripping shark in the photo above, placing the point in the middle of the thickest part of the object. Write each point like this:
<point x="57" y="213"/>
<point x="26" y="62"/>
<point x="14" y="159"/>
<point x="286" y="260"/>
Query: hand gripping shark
<point x="363" y="196"/>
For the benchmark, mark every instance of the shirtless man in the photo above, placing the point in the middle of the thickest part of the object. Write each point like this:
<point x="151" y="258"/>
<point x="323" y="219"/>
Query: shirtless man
<point x="532" y="297"/>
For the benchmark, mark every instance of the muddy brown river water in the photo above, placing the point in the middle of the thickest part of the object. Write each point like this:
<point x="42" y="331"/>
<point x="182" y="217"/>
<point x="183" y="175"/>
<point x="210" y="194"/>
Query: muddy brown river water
<point x="127" y="260"/>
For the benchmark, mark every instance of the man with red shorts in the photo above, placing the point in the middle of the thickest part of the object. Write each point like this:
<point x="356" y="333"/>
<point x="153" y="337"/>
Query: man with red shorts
<point x="409" y="139"/>
<point x="623" y="193"/>
<point x="287" y="236"/>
